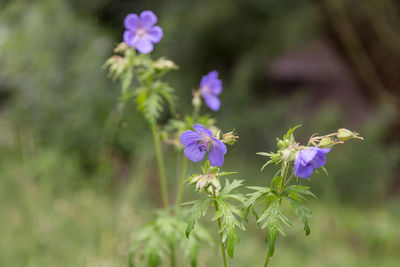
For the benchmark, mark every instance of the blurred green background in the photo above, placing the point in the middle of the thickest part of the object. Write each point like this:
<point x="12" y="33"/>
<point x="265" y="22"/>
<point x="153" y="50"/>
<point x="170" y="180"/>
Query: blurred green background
<point x="74" y="188"/>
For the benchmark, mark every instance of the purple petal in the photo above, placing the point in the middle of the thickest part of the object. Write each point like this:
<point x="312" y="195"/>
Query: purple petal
<point x="203" y="81"/>
<point x="215" y="155"/>
<point x="148" y="19"/>
<point x="216" y="86"/>
<point x="221" y="146"/>
<point x="307" y="155"/>
<point x="304" y="171"/>
<point x="195" y="152"/>
<point x="319" y="160"/>
<point x="190" y="137"/>
<point x="212" y="102"/>
<point x="212" y="75"/>
<point x="155" y="34"/>
<point x="144" y="46"/>
<point x="324" y="150"/>
<point x="130" y="37"/>
<point x="297" y="165"/>
<point x="201" y="129"/>
<point x="132" y="22"/>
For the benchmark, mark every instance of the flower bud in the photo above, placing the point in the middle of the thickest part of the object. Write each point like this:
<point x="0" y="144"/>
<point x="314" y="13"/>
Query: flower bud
<point x="229" y="138"/>
<point x="344" y="135"/>
<point x="208" y="183"/>
<point x="326" y="142"/>
<point x="196" y="100"/>
<point x="165" y="64"/>
<point x="121" y="47"/>
<point x="289" y="155"/>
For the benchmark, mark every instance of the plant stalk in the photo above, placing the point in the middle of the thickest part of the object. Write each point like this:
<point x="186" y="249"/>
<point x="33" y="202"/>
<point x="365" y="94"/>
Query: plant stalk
<point x="284" y="171"/>
<point x="160" y="163"/>
<point x="267" y="259"/>
<point x="179" y="194"/>
<point x="172" y="256"/>
<point x="220" y="236"/>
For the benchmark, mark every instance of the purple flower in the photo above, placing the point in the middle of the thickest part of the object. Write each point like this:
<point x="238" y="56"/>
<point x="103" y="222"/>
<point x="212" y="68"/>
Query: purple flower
<point x="211" y="87"/>
<point x="308" y="160"/>
<point x="140" y="31"/>
<point x="198" y="142"/>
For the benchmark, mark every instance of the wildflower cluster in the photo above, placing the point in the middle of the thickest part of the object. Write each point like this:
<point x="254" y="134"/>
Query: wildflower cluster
<point x="193" y="136"/>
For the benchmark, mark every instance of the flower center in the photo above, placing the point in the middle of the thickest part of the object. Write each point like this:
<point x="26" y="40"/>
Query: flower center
<point x="203" y="147"/>
<point x="206" y="89"/>
<point x="204" y="142"/>
<point x="141" y="32"/>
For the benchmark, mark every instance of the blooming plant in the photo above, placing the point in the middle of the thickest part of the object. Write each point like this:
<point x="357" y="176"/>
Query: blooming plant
<point x="195" y="136"/>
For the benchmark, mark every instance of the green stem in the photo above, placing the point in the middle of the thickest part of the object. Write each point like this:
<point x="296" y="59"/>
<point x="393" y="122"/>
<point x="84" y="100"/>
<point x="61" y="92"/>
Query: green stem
<point x="288" y="181"/>
<point x="180" y="185"/>
<point x="284" y="172"/>
<point x="267" y="259"/>
<point x="220" y="236"/>
<point x="160" y="162"/>
<point x="172" y="255"/>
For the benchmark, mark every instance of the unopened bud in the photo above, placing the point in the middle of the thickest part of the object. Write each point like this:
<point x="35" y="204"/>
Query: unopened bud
<point x="288" y="155"/>
<point x="230" y="138"/>
<point x="196" y="101"/>
<point x="165" y="64"/>
<point x="208" y="183"/>
<point x="326" y="142"/>
<point x="121" y="47"/>
<point x="344" y="135"/>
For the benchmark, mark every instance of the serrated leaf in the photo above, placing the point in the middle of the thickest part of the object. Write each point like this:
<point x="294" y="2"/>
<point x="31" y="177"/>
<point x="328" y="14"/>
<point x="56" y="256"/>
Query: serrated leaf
<point x="303" y="213"/>
<point x="126" y="80"/>
<point x="166" y="92"/>
<point x="298" y="192"/>
<point x="289" y="134"/>
<point x="271" y="219"/>
<point x="199" y="209"/>
<point x="231" y="186"/>
<point x="227" y="213"/>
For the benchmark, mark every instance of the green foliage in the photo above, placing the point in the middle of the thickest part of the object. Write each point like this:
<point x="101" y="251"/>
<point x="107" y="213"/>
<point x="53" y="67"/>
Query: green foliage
<point x="155" y="240"/>
<point x="198" y="209"/>
<point x="140" y="78"/>
<point x="229" y="214"/>
<point x="284" y="149"/>
<point x="56" y="87"/>
<point x="271" y="219"/>
<point x="272" y="216"/>
<point x="191" y="245"/>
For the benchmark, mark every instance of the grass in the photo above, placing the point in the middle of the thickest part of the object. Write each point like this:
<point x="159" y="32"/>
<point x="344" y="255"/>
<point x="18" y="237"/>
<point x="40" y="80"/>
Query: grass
<point x="52" y="215"/>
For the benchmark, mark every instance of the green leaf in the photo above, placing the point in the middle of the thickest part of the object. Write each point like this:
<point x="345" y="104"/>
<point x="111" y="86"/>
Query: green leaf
<point x="298" y="192"/>
<point x="126" y="80"/>
<point x="228" y="214"/>
<point x="271" y="219"/>
<point x="229" y="187"/>
<point x="226" y="173"/>
<point x="167" y="93"/>
<point x="199" y="209"/>
<point x="253" y="197"/>
<point x="303" y="213"/>
<point x="265" y="154"/>
<point x="153" y="244"/>
<point x="289" y="134"/>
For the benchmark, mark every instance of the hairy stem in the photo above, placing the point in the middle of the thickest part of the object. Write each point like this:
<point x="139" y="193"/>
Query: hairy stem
<point x="220" y="236"/>
<point x="180" y="185"/>
<point x="161" y="168"/>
